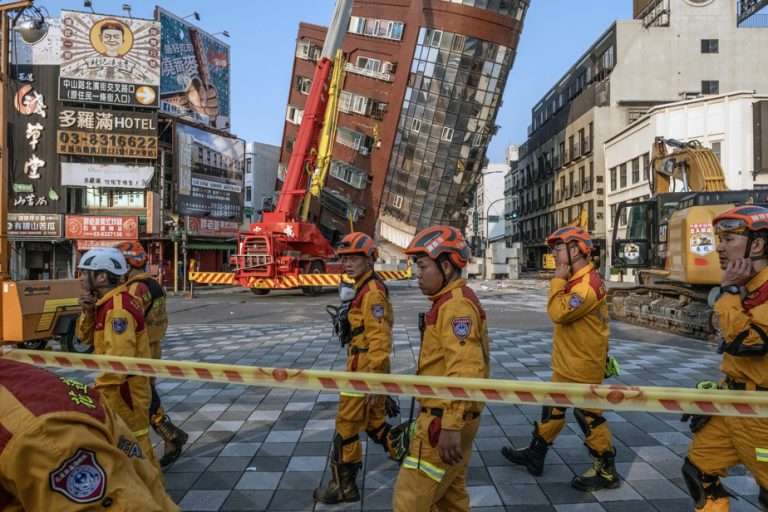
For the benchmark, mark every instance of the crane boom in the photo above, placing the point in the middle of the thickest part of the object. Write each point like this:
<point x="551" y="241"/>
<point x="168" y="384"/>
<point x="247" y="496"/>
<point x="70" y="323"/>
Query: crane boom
<point x="305" y="149"/>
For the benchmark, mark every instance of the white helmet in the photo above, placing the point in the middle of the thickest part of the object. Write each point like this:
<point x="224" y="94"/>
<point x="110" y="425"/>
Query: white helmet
<point x="104" y="258"/>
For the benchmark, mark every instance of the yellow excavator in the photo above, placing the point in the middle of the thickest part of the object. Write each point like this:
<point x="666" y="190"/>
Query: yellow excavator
<point x="670" y="243"/>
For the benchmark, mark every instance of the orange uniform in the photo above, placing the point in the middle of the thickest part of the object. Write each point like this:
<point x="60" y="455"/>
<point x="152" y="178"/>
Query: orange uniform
<point x="63" y="448"/>
<point x="454" y="345"/>
<point x="119" y="331"/>
<point x="725" y="441"/>
<point x="370" y="317"/>
<point x="579" y="311"/>
<point x="156" y="317"/>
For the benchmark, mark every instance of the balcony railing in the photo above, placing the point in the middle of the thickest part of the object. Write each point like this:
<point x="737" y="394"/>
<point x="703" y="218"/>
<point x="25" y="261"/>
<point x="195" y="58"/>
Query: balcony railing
<point x="351" y="68"/>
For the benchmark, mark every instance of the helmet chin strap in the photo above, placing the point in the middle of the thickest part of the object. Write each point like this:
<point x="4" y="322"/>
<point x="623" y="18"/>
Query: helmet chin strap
<point x="91" y="284"/>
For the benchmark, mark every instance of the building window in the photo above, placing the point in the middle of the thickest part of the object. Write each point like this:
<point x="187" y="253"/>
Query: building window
<point x="350" y="138"/>
<point x="447" y="134"/>
<point x="369" y="64"/>
<point x="710" y="87"/>
<point x="709" y="46"/>
<point x="307" y="50"/>
<point x="349" y="174"/>
<point x="635" y="170"/>
<point x="248" y="194"/>
<point x="416" y="125"/>
<point x="303" y="84"/>
<point x="613" y="178"/>
<point x="294" y="115"/>
<point x="349" y="102"/>
<point x="646" y="166"/>
<point x="385" y="29"/>
<point x="717" y="150"/>
<point x="622" y="175"/>
<point x="613" y="213"/>
<point x="114" y="198"/>
<point x="397" y="201"/>
<point x="282" y="168"/>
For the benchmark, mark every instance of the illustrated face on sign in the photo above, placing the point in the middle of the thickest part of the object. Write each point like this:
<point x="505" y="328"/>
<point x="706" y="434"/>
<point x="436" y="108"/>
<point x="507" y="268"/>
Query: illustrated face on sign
<point x="112" y="38"/>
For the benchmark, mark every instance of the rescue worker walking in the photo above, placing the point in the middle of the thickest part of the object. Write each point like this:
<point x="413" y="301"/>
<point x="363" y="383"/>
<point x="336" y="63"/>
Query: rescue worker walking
<point x="720" y="442"/>
<point x="369" y="334"/>
<point x="65" y="449"/>
<point x="118" y="329"/>
<point x="577" y="306"/>
<point x="143" y="286"/>
<point x="454" y="345"/>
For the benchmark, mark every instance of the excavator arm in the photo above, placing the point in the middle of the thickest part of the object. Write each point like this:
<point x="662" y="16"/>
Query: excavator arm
<point x="693" y="164"/>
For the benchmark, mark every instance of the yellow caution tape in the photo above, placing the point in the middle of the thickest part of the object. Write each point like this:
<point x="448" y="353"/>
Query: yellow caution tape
<point x="587" y="396"/>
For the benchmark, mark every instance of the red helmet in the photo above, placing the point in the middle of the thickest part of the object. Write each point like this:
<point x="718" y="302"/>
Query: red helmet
<point x="358" y="243"/>
<point x="741" y="220"/>
<point x="134" y="253"/>
<point x="572" y="234"/>
<point x="437" y="240"/>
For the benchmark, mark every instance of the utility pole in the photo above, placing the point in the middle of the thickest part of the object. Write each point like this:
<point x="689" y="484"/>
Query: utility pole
<point x="5" y="30"/>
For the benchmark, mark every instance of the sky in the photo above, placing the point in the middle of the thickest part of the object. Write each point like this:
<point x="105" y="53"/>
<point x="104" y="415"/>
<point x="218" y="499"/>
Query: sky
<point x="263" y="36"/>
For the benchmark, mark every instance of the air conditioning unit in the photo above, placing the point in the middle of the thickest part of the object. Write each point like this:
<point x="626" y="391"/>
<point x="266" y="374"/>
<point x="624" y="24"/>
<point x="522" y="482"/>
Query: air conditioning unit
<point x="364" y="151"/>
<point x="381" y="106"/>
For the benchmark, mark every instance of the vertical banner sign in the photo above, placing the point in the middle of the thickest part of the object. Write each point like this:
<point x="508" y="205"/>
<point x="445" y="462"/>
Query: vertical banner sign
<point x="210" y="174"/>
<point x="194" y="77"/>
<point x="109" y="60"/>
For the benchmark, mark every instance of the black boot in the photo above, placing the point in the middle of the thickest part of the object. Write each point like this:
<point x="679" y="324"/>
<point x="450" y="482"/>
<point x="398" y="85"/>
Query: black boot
<point x="174" y="439"/>
<point x="602" y="474"/>
<point x="532" y="457"/>
<point x="342" y="487"/>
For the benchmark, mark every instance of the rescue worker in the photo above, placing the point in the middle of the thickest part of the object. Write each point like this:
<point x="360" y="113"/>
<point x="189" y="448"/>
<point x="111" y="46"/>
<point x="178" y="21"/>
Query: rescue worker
<point x="369" y="335"/>
<point x="143" y="286"/>
<point x="720" y="442"/>
<point x="454" y="345"/>
<point x="577" y="306"/>
<point x="64" y="449"/>
<point x="118" y="330"/>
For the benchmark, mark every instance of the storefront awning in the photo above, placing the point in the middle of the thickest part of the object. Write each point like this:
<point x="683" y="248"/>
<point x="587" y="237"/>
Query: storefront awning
<point x="211" y="246"/>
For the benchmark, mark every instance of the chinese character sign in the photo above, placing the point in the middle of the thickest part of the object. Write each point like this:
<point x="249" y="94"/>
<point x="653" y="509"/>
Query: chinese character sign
<point x="34" y="163"/>
<point x="194" y="75"/>
<point x="112" y="133"/>
<point x="210" y="174"/>
<point x="107" y="59"/>
<point x="96" y="227"/>
<point x="34" y="225"/>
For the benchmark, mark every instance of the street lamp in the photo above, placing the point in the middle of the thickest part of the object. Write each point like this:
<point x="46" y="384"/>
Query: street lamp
<point x="195" y="14"/>
<point x="223" y="32"/>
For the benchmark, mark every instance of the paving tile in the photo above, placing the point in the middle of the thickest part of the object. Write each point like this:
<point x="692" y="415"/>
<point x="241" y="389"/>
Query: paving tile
<point x="259" y="480"/>
<point x="247" y="500"/>
<point x="203" y="500"/>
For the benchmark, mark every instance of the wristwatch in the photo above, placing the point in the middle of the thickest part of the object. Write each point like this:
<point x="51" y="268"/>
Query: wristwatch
<point x="731" y="288"/>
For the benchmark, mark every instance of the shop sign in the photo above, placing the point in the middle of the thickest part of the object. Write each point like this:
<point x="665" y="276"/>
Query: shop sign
<point x="98" y="227"/>
<point x="87" y="245"/>
<point x="205" y="226"/>
<point x="109" y="60"/>
<point x="106" y="175"/>
<point x="34" y="225"/>
<point x="210" y="173"/>
<point x="110" y="133"/>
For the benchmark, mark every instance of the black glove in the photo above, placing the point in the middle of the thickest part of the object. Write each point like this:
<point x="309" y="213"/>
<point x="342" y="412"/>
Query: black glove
<point x="392" y="407"/>
<point x="697" y="421"/>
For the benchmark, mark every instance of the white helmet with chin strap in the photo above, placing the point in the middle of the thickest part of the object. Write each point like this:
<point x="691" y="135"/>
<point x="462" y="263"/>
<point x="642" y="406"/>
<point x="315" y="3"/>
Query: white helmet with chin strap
<point x="104" y="258"/>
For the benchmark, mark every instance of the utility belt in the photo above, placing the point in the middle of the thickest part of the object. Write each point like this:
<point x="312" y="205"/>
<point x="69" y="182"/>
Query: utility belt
<point x="354" y="351"/>
<point x="743" y="386"/>
<point x="434" y="411"/>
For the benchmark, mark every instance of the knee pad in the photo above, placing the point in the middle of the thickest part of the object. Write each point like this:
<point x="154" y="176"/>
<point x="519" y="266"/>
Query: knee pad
<point x="701" y="486"/>
<point x="588" y="420"/>
<point x="549" y="413"/>
<point x="338" y="444"/>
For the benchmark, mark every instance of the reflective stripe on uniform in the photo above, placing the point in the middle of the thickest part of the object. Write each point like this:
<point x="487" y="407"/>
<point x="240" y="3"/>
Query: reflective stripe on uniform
<point x="762" y="454"/>
<point x="142" y="432"/>
<point x="432" y="471"/>
<point x="353" y="395"/>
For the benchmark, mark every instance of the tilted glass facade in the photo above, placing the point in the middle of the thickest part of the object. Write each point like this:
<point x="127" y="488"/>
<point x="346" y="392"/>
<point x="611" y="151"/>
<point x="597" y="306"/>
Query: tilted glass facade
<point x="445" y="124"/>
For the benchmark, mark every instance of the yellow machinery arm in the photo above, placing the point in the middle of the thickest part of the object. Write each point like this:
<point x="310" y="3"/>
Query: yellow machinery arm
<point x="328" y="135"/>
<point x="697" y="167"/>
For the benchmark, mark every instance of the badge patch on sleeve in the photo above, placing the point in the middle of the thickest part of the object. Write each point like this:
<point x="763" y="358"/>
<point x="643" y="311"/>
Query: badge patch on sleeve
<point x="119" y="325"/>
<point x="575" y="301"/>
<point x="461" y="326"/>
<point x="378" y="311"/>
<point x="80" y="478"/>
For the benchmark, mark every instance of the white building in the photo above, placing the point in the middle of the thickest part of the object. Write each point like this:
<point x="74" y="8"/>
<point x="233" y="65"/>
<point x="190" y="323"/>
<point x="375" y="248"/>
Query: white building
<point x="723" y="122"/>
<point x="672" y="50"/>
<point x="261" y="161"/>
